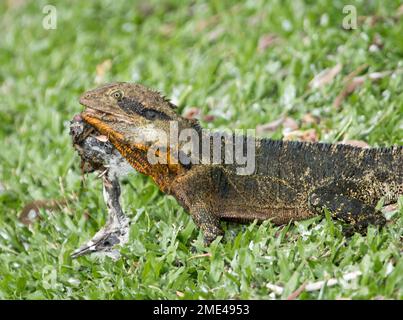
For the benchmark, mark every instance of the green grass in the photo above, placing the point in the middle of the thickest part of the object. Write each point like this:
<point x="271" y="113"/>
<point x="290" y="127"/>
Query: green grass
<point x="202" y="55"/>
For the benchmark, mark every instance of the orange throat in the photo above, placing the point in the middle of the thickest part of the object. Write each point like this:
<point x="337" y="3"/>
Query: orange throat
<point x="136" y="155"/>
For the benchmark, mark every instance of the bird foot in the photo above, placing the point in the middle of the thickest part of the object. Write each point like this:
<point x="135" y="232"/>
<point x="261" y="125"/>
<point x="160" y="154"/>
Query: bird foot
<point x="104" y="241"/>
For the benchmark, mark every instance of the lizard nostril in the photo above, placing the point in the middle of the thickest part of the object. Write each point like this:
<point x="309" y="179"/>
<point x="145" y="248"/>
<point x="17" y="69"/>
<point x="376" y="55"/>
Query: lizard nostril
<point x="85" y="97"/>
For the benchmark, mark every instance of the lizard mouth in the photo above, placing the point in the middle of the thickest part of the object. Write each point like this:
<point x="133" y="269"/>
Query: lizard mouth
<point x="91" y="114"/>
<point x="86" y="100"/>
<point x="89" y="111"/>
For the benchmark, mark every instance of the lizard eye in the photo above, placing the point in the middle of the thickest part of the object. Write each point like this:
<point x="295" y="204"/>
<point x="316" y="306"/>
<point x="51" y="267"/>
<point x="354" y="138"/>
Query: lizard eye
<point x="151" y="114"/>
<point x="117" y="94"/>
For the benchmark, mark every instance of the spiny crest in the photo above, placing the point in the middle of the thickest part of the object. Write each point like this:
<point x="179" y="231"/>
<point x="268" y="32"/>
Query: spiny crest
<point x="157" y="94"/>
<point x="168" y="100"/>
<point x="162" y="96"/>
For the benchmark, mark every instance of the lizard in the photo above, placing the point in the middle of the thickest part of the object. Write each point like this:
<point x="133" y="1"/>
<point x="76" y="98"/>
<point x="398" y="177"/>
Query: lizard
<point x="291" y="180"/>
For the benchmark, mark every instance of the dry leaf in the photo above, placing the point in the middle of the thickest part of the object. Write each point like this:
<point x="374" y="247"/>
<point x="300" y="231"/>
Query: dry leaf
<point x="325" y="77"/>
<point x="308" y="118"/>
<point x="195" y="113"/>
<point x="355" y="73"/>
<point x="309" y="135"/>
<point x="101" y="70"/>
<point x="180" y="294"/>
<point x="347" y="90"/>
<point x="297" y="292"/>
<point x="371" y="20"/>
<point x="192" y="113"/>
<point x="208" y="118"/>
<point x="266" y="41"/>
<point x="354" y="82"/>
<point x="289" y="124"/>
<point x="86" y="215"/>
<point x="271" y="126"/>
<point x="202" y="255"/>
<point x="355" y="143"/>
<point x="30" y="213"/>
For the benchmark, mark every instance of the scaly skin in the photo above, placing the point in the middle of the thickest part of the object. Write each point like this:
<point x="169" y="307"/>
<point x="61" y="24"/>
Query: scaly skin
<point x="291" y="181"/>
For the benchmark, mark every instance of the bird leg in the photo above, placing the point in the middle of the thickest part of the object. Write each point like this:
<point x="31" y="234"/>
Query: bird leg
<point x="116" y="229"/>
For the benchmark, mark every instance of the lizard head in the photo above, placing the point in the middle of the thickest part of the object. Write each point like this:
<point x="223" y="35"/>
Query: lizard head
<point x="132" y="111"/>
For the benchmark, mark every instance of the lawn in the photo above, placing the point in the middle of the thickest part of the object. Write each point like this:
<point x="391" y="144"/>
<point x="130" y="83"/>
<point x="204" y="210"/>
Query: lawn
<point x="239" y="65"/>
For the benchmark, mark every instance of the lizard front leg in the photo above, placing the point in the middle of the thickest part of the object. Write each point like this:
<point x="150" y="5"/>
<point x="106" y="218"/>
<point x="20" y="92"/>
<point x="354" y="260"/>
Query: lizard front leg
<point x="116" y="229"/>
<point x="355" y="213"/>
<point x="194" y="192"/>
<point x="207" y="222"/>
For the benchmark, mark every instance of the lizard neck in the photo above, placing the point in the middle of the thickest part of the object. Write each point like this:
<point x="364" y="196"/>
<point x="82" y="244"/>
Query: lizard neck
<point x="136" y="154"/>
<point x="162" y="174"/>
